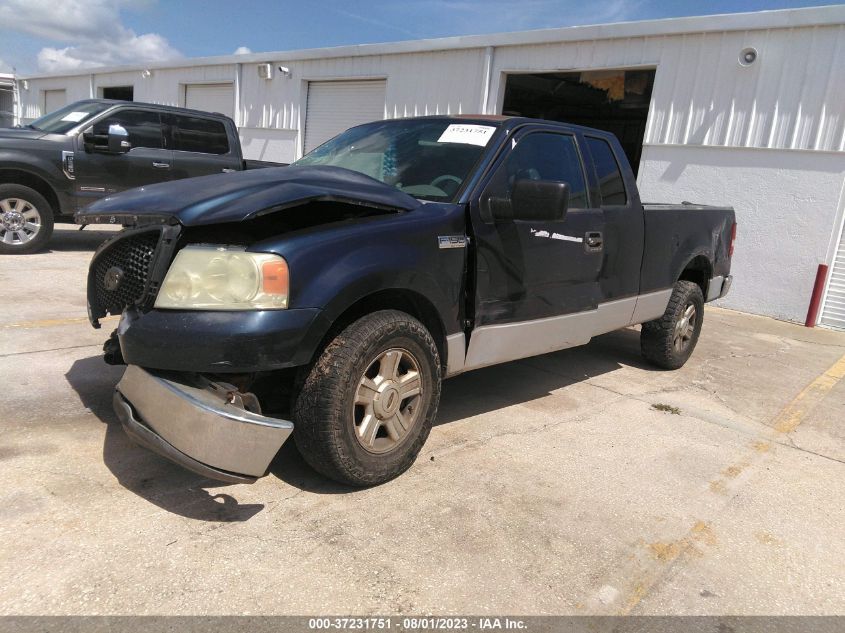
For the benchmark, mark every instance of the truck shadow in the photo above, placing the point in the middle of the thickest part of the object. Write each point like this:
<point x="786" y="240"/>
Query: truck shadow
<point x="149" y="476"/>
<point x="181" y="492"/>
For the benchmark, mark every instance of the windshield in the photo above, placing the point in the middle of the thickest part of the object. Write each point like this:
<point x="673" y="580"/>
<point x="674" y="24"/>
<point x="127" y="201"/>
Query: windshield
<point x="425" y="158"/>
<point x="69" y="117"/>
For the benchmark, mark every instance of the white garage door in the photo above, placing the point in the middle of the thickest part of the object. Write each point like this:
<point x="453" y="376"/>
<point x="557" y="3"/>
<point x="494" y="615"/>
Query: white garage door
<point x="833" y="311"/>
<point x="211" y="98"/>
<point x="54" y="99"/>
<point x="335" y="106"/>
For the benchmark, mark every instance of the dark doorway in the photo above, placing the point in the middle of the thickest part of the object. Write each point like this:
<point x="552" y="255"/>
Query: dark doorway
<point x="612" y="100"/>
<point x="120" y="93"/>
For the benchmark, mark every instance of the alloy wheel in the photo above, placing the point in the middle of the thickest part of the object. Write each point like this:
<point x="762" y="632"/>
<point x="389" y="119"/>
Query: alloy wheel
<point x="20" y="221"/>
<point x="388" y="400"/>
<point x="685" y="328"/>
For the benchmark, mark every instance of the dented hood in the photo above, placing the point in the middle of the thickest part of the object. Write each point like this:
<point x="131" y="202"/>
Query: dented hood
<point x="244" y="195"/>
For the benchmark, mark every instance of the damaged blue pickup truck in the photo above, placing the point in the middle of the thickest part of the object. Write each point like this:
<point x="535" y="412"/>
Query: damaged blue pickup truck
<point x="328" y="300"/>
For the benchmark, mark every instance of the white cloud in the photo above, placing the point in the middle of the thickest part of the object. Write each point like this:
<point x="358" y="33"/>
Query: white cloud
<point x="242" y="50"/>
<point x="127" y="49"/>
<point x="91" y="30"/>
<point x="486" y="16"/>
<point x="4" y="67"/>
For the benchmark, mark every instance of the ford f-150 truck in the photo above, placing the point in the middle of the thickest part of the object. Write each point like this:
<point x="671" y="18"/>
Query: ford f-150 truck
<point x="327" y="300"/>
<point x="87" y="150"/>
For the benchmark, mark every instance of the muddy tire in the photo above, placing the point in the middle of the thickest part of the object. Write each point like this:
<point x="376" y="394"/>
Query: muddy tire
<point x="669" y="341"/>
<point x="365" y="407"/>
<point x="26" y="220"/>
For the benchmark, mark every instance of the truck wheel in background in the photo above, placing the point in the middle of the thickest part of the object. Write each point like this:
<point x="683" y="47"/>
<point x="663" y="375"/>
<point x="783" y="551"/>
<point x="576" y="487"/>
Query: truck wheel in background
<point x="26" y="220"/>
<point x="669" y="341"/>
<point x="367" y="404"/>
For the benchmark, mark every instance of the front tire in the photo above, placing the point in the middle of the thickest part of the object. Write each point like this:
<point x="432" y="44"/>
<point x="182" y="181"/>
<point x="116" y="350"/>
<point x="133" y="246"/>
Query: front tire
<point x="366" y="406"/>
<point x="669" y="341"/>
<point x="26" y="220"/>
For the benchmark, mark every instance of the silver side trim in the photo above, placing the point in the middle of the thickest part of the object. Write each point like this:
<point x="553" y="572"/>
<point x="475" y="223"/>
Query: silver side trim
<point x="202" y="426"/>
<point x="726" y="286"/>
<point x="651" y="306"/>
<point x="456" y="346"/>
<point x="714" y="288"/>
<point x="492" y="344"/>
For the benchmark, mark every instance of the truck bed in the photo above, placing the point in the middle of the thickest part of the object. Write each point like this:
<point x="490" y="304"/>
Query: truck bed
<point x="677" y="233"/>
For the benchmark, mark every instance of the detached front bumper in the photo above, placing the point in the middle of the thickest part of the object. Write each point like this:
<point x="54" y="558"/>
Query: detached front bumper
<point x="197" y="426"/>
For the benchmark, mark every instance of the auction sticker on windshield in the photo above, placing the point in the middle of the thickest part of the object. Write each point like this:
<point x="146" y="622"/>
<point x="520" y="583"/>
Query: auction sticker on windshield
<point x="75" y="117"/>
<point x="467" y="134"/>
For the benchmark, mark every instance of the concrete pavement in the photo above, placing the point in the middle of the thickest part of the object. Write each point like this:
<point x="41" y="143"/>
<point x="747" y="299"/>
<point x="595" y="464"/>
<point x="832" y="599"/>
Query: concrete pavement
<point x="549" y="486"/>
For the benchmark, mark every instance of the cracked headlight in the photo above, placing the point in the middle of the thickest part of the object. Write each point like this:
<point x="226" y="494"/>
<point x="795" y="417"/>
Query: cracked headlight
<point x="224" y="278"/>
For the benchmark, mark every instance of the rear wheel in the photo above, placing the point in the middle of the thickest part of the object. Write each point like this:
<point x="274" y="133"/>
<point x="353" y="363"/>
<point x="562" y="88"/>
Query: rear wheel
<point x="669" y="341"/>
<point x="26" y="220"/>
<point x="366" y="406"/>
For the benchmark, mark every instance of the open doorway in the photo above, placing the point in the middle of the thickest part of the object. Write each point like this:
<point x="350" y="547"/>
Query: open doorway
<point x="120" y="93"/>
<point x="613" y="100"/>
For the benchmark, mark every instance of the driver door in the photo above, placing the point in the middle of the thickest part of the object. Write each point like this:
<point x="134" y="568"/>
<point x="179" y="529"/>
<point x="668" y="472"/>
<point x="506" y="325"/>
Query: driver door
<point x="100" y="173"/>
<point x="529" y="272"/>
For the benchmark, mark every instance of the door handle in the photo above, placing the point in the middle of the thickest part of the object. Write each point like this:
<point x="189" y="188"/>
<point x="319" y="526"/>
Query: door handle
<point x="593" y="241"/>
<point x="158" y="165"/>
<point x="228" y="170"/>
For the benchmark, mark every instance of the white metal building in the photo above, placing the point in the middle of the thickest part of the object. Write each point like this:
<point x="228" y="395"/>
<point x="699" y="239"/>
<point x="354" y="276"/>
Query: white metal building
<point x="744" y="109"/>
<point x="7" y="100"/>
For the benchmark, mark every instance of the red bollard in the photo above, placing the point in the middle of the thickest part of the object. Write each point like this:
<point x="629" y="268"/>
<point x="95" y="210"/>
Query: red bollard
<point x="816" y="299"/>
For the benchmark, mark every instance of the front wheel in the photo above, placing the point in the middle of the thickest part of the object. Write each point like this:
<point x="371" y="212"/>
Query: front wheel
<point x="366" y="406"/>
<point x="26" y="220"/>
<point x="668" y="342"/>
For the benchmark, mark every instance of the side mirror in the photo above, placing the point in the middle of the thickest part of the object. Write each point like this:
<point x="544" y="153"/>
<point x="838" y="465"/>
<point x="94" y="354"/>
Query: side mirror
<point x="537" y="200"/>
<point x="118" y="139"/>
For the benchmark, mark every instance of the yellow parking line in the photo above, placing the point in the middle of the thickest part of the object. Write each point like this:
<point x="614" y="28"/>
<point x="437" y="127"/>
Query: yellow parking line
<point x="26" y="325"/>
<point x="789" y="418"/>
<point x="793" y="414"/>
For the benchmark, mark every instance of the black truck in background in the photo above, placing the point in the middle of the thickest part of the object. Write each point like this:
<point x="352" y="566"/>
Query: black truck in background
<point x="328" y="299"/>
<point x="58" y="164"/>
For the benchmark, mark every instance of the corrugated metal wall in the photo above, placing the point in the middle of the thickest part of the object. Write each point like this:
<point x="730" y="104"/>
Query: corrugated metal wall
<point x="791" y="98"/>
<point x="790" y="103"/>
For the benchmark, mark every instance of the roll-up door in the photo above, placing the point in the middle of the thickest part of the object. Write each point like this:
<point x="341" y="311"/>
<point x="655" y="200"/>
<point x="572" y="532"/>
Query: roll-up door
<point x="833" y="311"/>
<point x="54" y="99"/>
<point x="211" y="98"/>
<point x="334" y="106"/>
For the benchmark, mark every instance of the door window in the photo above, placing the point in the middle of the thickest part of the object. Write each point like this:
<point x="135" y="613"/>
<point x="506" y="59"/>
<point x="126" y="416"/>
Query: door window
<point x="144" y="128"/>
<point x="611" y="185"/>
<point x="542" y="156"/>
<point x="197" y="134"/>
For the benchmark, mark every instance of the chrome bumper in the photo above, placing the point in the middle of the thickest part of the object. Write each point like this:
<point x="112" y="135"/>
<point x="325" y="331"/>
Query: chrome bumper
<point x="197" y="427"/>
<point x="719" y="287"/>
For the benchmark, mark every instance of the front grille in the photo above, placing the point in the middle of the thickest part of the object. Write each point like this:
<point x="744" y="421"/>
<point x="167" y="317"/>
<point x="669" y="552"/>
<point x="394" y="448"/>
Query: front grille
<point x="121" y="271"/>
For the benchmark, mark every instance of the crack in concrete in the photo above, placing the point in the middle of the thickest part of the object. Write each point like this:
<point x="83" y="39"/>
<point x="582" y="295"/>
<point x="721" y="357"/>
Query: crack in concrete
<point x="54" y="349"/>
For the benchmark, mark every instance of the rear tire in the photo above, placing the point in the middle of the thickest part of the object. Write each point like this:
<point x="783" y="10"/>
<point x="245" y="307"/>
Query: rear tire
<point x="26" y="220"/>
<point x="669" y="341"/>
<point x="367" y="404"/>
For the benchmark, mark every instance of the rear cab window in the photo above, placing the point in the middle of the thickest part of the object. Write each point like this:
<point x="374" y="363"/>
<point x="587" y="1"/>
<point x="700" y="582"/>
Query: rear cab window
<point x="199" y="135"/>
<point x="608" y="173"/>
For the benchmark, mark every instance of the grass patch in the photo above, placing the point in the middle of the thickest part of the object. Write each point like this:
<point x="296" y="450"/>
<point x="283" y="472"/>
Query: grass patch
<point x="666" y="408"/>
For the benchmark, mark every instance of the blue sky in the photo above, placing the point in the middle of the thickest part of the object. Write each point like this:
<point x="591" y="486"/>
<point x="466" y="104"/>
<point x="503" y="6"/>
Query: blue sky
<point x="38" y="36"/>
